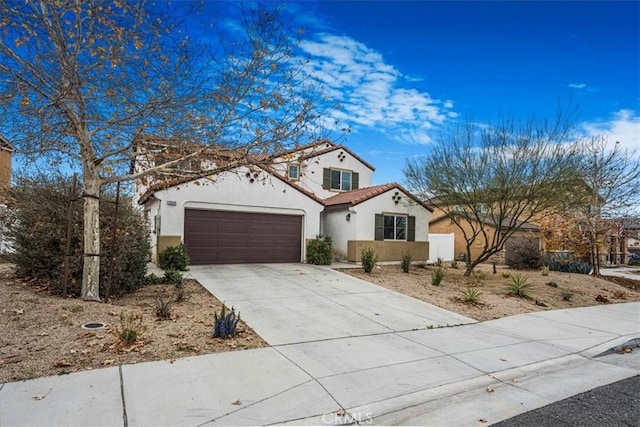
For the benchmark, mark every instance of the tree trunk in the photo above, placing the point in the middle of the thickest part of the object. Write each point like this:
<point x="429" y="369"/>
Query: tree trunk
<point x="91" y="266"/>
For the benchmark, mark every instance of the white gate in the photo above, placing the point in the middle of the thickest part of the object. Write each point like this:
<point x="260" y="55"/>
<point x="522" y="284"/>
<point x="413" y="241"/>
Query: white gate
<point x="441" y="246"/>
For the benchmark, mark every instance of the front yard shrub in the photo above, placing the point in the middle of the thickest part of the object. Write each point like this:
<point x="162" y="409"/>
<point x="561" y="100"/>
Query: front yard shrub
<point x="519" y="286"/>
<point x="174" y="258"/>
<point x="320" y="251"/>
<point x="369" y="258"/>
<point x="438" y="275"/>
<point x="525" y="255"/>
<point x="226" y="325"/>
<point x="39" y="209"/>
<point x="172" y="276"/>
<point x="130" y="328"/>
<point x="570" y="267"/>
<point x="405" y="264"/>
<point x="164" y="306"/>
<point x="471" y="296"/>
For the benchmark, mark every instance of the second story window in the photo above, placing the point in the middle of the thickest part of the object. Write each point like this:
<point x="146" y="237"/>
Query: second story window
<point x="293" y="171"/>
<point x="338" y="179"/>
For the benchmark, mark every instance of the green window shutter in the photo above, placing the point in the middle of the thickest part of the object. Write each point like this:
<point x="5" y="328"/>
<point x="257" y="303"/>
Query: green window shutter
<point x="411" y="229"/>
<point x="379" y="231"/>
<point x="354" y="180"/>
<point x="326" y="178"/>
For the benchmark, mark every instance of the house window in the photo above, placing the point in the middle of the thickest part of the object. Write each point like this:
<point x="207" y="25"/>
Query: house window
<point x="293" y="171"/>
<point x="395" y="227"/>
<point x="341" y="180"/>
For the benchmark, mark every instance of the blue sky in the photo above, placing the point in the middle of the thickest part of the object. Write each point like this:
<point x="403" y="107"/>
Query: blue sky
<point x="406" y="71"/>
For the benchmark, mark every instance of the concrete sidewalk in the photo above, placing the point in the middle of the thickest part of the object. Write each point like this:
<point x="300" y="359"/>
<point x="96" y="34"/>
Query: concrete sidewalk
<point x="474" y="374"/>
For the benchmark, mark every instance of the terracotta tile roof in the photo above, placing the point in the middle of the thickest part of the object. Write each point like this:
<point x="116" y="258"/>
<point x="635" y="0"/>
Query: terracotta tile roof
<point x="354" y="197"/>
<point x="163" y="185"/>
<point x="316" y="143"/>
<point x="334" y="148"/>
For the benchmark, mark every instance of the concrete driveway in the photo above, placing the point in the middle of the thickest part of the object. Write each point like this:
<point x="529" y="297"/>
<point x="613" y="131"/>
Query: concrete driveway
<point x="296" y="303"/>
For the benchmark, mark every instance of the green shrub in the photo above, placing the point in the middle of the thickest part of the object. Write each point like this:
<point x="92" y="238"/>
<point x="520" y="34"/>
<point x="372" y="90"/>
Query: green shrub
<point x="369" y="258"/>
<point x="226" y="325"/>
<point x="130" y="328"/>
<point x="438" y="275"/>
<point x="570" y="267"/>
<point x="519" y="286"/>
<point x="545" y="271"/>
<point x="471" y="296"/>
<point x="181" y="291"/>
<point x="454" y="264"/>
<point x="405" y="264"/>
<point x="505" y="274"/>
<point x="172" y="276"/>
<point x="320" y="251"/>
<point x="567" y="295"/>
<point x="439" y="262"/>
<point x="153" y="279"/>
<point x="39" y="235"/>
<point x="174" y="258"/>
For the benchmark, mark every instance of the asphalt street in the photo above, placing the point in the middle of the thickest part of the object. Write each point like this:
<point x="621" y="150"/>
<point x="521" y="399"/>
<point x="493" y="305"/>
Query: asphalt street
<point x="616" y="404"/>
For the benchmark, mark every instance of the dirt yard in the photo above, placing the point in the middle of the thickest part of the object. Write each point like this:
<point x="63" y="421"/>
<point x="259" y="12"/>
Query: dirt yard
<point x="555" y="291"/>
<point x="42" y="334"/>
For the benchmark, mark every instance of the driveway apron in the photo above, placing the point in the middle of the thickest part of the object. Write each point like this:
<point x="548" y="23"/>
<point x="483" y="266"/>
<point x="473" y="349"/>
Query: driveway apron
<point x="296" y="303"/>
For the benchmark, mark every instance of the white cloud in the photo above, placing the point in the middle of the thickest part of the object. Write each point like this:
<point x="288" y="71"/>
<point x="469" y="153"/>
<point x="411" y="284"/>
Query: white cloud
<point x="623" y="127"/>
<point x="370" y="91"/>
<point x="577" y="85"/>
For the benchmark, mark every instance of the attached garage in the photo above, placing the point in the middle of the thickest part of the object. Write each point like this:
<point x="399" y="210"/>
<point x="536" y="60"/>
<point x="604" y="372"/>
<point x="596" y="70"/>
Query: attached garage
<point x="225" y="237"/>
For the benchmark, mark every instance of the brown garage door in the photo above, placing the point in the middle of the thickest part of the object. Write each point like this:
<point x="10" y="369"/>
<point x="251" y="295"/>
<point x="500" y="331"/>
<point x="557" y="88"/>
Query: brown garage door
<point x="222" y="237"/>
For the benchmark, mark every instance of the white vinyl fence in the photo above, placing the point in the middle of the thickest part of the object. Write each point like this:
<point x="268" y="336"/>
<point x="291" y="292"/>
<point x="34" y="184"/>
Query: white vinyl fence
<point x="441" y="246"/>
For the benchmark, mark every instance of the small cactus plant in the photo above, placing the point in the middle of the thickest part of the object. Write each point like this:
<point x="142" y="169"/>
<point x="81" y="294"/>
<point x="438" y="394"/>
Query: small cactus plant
<point x="226" y="325"/>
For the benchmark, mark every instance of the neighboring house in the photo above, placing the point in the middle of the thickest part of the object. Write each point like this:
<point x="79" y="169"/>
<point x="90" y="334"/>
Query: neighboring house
<point x="527" y="233"/>
<point x="6" y="151"/>
<point x="266" y="209"/>
<point x="631" y="237"/>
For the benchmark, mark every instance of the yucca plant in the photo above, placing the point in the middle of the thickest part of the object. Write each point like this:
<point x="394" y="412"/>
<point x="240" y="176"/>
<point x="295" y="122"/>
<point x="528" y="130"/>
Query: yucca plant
<point x="226" y="325"/>
<point x="519" y="286"/>
<point x="454" y="264"/>
<point x="164" y="307"/>
<point x="437" y="276"/>
<point x="471" y="295"/>
<point x="439" y="262"/>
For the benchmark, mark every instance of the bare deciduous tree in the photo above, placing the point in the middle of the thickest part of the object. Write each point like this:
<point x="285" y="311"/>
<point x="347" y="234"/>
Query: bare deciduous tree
<point x="612" y="177"/>
<point x="489" y="181"/>
<point x="81" y="80"/>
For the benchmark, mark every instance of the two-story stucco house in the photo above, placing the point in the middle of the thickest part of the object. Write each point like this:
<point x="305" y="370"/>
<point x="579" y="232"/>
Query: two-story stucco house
<point x="266" y="212"/>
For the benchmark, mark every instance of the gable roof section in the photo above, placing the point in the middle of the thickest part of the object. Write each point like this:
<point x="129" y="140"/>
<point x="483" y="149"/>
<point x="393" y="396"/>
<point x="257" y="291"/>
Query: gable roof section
<point x="317" y="143"/>
<point x="5" y="144"/>
<point x="334" y="148"/>
<point x="163" y="185"/>
<point x="355" y="197"/>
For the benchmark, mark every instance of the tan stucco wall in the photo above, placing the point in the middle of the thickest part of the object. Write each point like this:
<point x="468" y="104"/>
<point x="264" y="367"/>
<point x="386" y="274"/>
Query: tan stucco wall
<point x="167" y="241"/>
<point x="5" y="170"/>
<point x="388" y="251"/>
